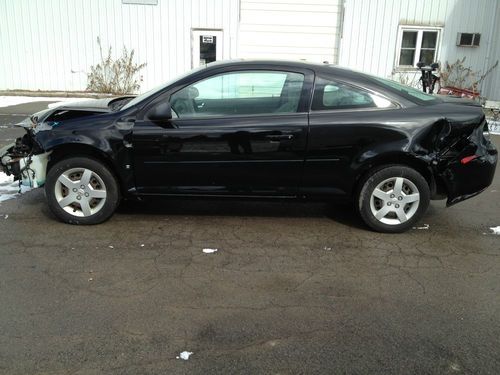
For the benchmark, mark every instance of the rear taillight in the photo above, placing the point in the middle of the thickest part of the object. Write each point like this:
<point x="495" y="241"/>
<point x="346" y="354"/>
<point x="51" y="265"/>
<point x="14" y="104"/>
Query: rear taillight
<point x="468" y="159"/>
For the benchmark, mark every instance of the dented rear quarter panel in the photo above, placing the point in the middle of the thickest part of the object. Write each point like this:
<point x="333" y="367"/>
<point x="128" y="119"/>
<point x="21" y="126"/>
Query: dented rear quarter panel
<point x="351" y="143"/>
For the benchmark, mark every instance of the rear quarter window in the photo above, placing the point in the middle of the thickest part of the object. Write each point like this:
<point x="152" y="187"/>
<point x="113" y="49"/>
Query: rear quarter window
<point x="332" y="95"/>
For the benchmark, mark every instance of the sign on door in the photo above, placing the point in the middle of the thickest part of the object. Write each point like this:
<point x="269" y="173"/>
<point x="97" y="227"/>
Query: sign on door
<point x="206" y="46"/>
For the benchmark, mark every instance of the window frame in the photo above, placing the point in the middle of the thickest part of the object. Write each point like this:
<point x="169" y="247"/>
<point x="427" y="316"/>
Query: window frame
<point x="418" y="47"/>
<point x="394" y="104"/>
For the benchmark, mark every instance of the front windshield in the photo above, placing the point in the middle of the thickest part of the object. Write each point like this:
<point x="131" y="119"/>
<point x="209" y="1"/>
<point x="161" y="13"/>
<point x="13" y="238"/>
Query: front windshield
<point x="406" y="90"/>
<point x="159" y="88"/>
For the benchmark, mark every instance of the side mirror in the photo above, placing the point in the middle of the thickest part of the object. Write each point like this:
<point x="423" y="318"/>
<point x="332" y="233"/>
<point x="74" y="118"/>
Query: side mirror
<point x="161" y="113"/>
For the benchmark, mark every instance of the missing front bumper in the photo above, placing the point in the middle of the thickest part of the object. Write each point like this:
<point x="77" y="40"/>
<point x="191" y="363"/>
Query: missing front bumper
<point x="30" y="169"/>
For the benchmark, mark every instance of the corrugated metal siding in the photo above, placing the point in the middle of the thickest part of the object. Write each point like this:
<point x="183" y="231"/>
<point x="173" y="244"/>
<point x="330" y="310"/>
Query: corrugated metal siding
<point x="371" y="28"/>
<point x="290" y="29"/>
<point x="50" y="44"/>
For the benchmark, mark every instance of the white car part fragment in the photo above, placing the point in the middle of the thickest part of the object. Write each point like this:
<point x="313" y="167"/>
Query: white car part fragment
<point x="34" y="169"/>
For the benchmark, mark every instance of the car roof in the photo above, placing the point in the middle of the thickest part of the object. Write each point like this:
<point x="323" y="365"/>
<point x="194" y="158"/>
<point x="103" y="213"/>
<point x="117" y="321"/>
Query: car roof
<point x="320" y="68"/>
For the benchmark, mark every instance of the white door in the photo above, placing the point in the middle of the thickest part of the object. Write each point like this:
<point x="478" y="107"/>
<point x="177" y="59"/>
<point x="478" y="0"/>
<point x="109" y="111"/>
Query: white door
<point x="206" y="46"/>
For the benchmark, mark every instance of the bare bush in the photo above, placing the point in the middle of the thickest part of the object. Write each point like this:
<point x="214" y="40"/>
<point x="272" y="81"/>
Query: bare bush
<point x="115" y="76"/>
<point x="463" y="77"/>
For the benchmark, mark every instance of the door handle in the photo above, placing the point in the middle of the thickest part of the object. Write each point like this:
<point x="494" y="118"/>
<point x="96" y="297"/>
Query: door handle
<point x="280" y="137"/>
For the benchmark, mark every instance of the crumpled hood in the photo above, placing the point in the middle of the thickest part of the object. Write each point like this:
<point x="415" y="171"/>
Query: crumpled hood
<point x="64" y="111"/>
<point x="90" y="104"/>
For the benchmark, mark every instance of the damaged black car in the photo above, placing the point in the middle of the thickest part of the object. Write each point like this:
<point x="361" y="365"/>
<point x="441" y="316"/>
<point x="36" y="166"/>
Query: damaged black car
<point x="260" y="129"/>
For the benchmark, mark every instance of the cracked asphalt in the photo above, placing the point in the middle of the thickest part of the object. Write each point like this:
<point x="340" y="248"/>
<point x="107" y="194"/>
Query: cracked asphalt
<point x="294" y="288"/>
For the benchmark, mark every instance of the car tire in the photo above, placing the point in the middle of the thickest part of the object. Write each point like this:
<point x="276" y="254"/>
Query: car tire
<point x="393" y="198"/>
<point x="81" y="190"/>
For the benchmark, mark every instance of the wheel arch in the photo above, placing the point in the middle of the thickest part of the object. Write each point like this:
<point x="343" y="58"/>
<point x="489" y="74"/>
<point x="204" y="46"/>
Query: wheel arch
<point x="68" y="150"/>
<point x="421" y="166"/>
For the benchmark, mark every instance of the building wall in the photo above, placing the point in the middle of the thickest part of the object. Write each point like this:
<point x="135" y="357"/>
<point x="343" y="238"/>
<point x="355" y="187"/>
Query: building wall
<point x="290" y="29"/>
<point x="51" y="44"/>
<point x="371" y="28"/>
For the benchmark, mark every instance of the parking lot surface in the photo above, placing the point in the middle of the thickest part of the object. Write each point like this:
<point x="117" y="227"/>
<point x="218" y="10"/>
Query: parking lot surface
<point x="293" y="288"/>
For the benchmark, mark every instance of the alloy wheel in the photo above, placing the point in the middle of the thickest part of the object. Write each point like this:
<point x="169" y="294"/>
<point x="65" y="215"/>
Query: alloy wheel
<point x="394" y="201"/>
<point x="80" y="192"/>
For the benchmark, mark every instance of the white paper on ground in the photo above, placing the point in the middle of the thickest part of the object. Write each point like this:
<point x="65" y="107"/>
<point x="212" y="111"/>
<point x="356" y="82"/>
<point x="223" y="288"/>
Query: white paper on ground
<point x="210" y="251"/>
<point x="495" y="230"/>
<point x="184" y="355"/>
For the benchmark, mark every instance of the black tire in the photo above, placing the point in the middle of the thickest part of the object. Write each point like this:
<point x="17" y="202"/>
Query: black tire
<point x="111" y="188"/>
<point x="381" y="175"/>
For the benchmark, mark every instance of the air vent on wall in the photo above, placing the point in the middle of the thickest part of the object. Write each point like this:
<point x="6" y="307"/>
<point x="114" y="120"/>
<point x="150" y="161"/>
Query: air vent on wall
<point x="468" y="39"/>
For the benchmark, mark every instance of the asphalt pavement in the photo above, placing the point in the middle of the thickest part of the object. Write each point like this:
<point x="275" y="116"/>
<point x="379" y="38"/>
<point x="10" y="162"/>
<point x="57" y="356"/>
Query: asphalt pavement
<point x="293" y="288"/>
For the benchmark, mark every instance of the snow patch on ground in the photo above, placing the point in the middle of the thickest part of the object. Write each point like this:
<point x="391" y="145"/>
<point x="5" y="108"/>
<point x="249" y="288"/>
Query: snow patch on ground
<point x="495" y="230"/>
<point x="7" y="101"/>
<point x="9" y="188"/>
<point x="184" y="355"/>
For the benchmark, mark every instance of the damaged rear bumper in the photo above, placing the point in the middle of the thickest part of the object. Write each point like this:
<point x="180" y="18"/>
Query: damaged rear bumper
<point x="471" y="179"/>
<point x="29" y="168"/>
<point x="473" y="170"/>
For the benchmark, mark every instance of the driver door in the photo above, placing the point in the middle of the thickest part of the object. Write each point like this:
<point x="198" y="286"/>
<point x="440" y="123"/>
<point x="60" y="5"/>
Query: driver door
<point x="241" y="133"/>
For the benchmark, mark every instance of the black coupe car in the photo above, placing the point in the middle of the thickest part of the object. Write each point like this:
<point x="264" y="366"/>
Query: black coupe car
<point x="260" y="129"/>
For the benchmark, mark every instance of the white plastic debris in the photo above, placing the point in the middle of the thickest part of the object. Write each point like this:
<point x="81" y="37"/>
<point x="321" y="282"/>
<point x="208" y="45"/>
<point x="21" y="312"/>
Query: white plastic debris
<point x="210" y="251"/>
<point x="142" y="245"/>
<point x="424" y="227"/>
<point x="327" y="248"/>
<point x="111" y="246"/>
<point x="184" y="355"/>
<point x="495" y="230"/>
<point x="6" y="216"/>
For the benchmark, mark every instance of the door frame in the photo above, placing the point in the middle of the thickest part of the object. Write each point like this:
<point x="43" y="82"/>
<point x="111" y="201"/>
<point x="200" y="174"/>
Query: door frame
<point x="195" y="45"/>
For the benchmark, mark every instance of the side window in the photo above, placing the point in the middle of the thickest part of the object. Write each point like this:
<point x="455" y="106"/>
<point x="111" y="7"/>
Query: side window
<point x="330" y="95"/>
<point x="240" y="93"/>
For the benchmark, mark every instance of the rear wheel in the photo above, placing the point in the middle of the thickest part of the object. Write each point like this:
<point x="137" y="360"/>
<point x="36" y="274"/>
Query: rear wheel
<point x="81" y="190"/>
<point x="393" y="199"/>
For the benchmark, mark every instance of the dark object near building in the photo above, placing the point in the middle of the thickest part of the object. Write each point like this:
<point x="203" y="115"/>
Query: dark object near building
<point x="261" y="129"/>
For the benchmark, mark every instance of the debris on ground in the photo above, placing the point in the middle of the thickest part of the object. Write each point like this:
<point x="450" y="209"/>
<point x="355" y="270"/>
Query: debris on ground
<point x="327" y="248"/>
<point x="495" y="230"/>
<point x="111" y="246"/>
<point x="184" y="355"/>
<point x="6" y="216"/>
<point x="425" y="226"/>
<point x="210" y="251"/>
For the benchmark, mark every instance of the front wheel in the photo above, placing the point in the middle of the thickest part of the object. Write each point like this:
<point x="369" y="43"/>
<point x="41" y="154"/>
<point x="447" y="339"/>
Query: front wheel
<point x="81" y="190"/>
<point x="393" y="199"/>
